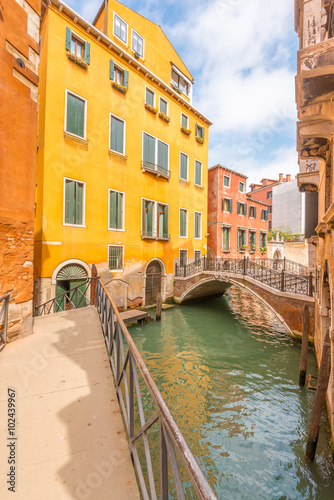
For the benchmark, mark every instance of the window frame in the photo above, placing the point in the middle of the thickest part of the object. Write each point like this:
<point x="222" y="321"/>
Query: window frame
<point x="183" y="250"/>
<point x="155" y="150"/>
<point x="251" y="232"/>
<point x="229" y="181"/>
<point x="187" y="127"/>
<point x="114" y="28"/>
<point x="269" y="195"/>
<point x="79" y="39"/>
<point x="83" y="202"/>
<point x="136" y="32"/>
<point x="201" y="164"/>
<point x="252" y="208"/>
<point x="118" y="67"/>
<point x="111" y="115"/>
<point x="200" y="226"/>
<point x="243" y="189"/>
<point x="199" y="128"/>
<point x="244" y="205"/>
<point x="263" y="233"/>
<point x="228" y="200"/>
<point x="123" y="210"/>
<point x="197" y="251"/>
<point x="155" y="222"/>
<point x="182" y="178"/>
<point x="229" y="239"/>
<point x="67" y="91"/>
<point x="242" y="232"/>
<point x="116" y="270"/>
<point x="187" y="224"/>
<point x="154" y="96"/>
<point x="184" y="77"/>
<point x="167" y="105"/>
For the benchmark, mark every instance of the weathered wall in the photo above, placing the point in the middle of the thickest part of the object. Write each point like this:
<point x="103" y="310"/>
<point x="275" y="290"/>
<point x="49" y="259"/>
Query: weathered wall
<point x="297" y="251"/>
<point x="19" y="55"/>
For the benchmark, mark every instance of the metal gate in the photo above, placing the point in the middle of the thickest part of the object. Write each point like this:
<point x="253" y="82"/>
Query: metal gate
<point x="153" y="282"/>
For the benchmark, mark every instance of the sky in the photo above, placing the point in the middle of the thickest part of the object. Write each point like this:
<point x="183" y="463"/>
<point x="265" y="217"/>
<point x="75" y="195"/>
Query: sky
<point x="242" y="55"/>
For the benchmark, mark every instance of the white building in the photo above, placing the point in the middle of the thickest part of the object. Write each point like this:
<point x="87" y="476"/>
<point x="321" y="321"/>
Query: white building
<point x="289" y="208"/>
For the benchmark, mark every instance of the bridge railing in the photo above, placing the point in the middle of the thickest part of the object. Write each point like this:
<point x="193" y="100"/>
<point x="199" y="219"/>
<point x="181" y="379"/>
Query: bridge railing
<point x="4" y="300"/>
<point x="134" y="385"/>
<point x="283" y="265"/>
<point x="79" y="296"/>
<point x="263" y="270"/>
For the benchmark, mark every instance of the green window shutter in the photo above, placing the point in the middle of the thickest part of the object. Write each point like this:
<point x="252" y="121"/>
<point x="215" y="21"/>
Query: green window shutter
<point x="198" y="173"/>
<point x="166" y="221"/>
<point x="223" y="204"/>
<point x="238" y="210"/>
<point x="266" y="214"/>
<point x="149" y="149"/>
<point x="197" y="225"/>
<point x="184" y="121"/>
<point x="183" y="166"/>
<point x="143" y="215"/>
<point x="250" y="211"/>
<point x="112" y="210"/>
<point x="149" y="220"/>
<point x="68" y="38"/>
<point x="162" y="155"/>
<point x="254" y="212"/>
<point x="70" y="118"/>
<point x="243" y="237"/>
<point x="69" y="202"/>
<point x="228" y="238"/>
<point x="75" y="121"/>
<point x="149" y="97"/>
<point x="119" y="217"/>
<point x="87" y="52"/>
<point x="230" y="206"/>
<point x="79" y="203"/>
<point x="112" y="70"/>
<point x="202" y="133"/>
<point x="125" y="79"/>
<point x="116" y="135"/>
<point x="182" y="223"/>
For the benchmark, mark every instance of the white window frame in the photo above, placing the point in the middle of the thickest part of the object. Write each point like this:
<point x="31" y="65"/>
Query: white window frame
<point x="198" y="126"/>
<point x="200" y="228"/>
<point x="154" y="95"/>
<point x="187" y="119"/>
<point x="185" y="78"/>
<point x="225" y="226"/>
<point x="187" y="225"/>
<point x="82" y="40"/>
<point x="229" y="181"/>
<point x="120" y="68"/>
<point x="155" y="215"/>
<point x="183" y="250"/>
<point x="116" y="270"/>
<point x="240" y="182"/>
<point x="181" y="178"/>
<point x="200" y="251"/>
<point x="83" y="203"/>
<point x="162" y="99"/>
<point x="201" y="185"/>
<point x="124" y="131"/>
<point x="127" y="29"/>
<point x="123" y="208"/>
<point x="136" y="32"/>
<point x="85" y="114"/>
<point x="156" y="149"/>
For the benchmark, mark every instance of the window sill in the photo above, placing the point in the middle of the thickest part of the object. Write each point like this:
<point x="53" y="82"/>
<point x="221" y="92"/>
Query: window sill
<point x="164" y="117"/>
<point x="185" y="131"/>
<point x="226" y="251"/>
<point x="77" y="60"/>
<point x="184" y="181"/>
<point x="115" y="154"/>
<point x="75" y="138"/>
<point x="198" y="186"/>
<point x="199" y="139"/>
<point x="183" y="237"/>
<point x="119" y="87"/>
<point x="118" y="230"/>
<point x="198" y="239"/>
<point x="150" y="108"/>
<point x="115" y="270"/>
<point x="73" y="225"/>
<point x="154" y="237"/>
<point x="154" y="169"/>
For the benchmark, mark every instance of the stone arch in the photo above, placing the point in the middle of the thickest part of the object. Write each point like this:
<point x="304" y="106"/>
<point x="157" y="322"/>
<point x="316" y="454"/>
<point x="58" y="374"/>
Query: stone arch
<point x="211" y="286"/>
<point x="71" y="284"/>
<point x="155" y="272"/>
<point x="66" y="263"/>
<point x="278" y="254"/>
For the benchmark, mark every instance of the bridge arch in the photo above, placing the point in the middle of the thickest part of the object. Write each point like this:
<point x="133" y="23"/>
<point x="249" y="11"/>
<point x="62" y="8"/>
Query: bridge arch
<point x="209" y="286"/>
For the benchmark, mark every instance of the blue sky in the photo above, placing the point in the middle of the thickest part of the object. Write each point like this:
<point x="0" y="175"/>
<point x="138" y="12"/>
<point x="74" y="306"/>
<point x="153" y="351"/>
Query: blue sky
<point x="242" y="55"/>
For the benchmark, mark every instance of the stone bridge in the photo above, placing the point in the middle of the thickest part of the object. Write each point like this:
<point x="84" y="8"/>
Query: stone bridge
<point x="273" y="282"/>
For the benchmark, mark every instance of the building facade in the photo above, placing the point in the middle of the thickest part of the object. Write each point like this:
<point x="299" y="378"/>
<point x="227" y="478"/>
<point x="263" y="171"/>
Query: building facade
<point x="285" y="196"/>
<point x="315" y="131"/>
<point x="19" y="54"/>
<point x="237" y="224"/>
<point x="122" y="162"/>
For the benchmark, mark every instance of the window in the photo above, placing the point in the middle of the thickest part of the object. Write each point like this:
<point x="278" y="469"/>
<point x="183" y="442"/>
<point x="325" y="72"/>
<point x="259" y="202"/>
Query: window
<point x="227" y="205"/>
<point x="120" y="28"/>
<point x="183" y="166"/>
<point x="154" y="220"/>
<point x="264" y="214"/>
<point x="269" y="195"/>
<point x="155" y="153"/>
<point x="117" y="136"/>
<point x="115" y="257"/>
<point x="183" y="223"/>
<point x="183" y="257"/>
<point x="119" y="75"/>
<point x="116" y="210"/>
<point x="270" y="209"/>
<point x="77" y="46"/>
<point x="252" y="241"/>
<point x="241" y="187"/>
<point x="179" y="82"/>
<point x="74" y="195"/>
<point x="75" y="115"/>
<point x="226" y="239"/>
<point x="252" y="211"/>
<point x="197" y="255"/>
<point x="198" y="225"/>
<point x="263" y="240"/>
<point x="150" y="97"/>
<point x="137" y="43"/>
<point x="241" y="240"/>
<point x="226" y="181"/>
<point x="199" y="131"/>
<point x="242" y="208"/>
<point x="163" y="106"/>
<point x="184" y="121"/>
<point x="198" y="173"/>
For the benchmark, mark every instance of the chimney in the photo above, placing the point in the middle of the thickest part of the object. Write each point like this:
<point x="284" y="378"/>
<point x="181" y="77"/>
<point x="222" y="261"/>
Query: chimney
<point x="280" y="176"/>
<point x="288" y="177"/>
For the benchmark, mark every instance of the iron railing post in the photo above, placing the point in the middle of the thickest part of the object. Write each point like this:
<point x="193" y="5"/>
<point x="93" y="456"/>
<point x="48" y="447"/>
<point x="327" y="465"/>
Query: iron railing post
<point x="244" y="265"/>
<point x="284" y="263"/>
<point x="310" y="285"/>
<point x="282" y="280"/>
<point x="184" y="271"/>
<point x="163" y="464"/>
<point x="175" y="268"/>
<point x="204" y="262"/>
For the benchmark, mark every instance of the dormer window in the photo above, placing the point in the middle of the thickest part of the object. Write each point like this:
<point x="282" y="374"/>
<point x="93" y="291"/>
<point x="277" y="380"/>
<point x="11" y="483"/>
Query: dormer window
<point x="120" y="28"/>
<point x="137" y="44"/>
<point x="180" y="83"/>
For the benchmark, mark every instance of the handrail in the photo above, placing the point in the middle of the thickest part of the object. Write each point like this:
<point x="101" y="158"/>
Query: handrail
<point x="4" y="320"/>
<point x="154" y="167"/>
<point x="72" y="299"/>
<point x="124" y="366"/>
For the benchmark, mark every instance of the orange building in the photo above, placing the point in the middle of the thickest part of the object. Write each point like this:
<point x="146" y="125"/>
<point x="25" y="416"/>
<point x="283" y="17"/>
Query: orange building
<point x="237" y="224"/>
<point x="19" y="54"/>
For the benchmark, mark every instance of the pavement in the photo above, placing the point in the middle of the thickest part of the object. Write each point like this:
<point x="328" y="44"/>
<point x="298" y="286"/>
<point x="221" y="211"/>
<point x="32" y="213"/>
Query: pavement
<point x="61" y="431"/>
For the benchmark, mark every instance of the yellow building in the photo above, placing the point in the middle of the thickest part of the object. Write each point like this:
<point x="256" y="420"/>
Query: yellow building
<point x="122" y="159"/>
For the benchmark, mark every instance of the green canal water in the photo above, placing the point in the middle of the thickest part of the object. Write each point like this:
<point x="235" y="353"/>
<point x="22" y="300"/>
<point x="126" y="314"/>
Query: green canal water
<point x="229" y="374"/>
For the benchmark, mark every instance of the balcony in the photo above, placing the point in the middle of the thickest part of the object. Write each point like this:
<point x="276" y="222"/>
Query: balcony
<point x="154" y="169"/>
<point x="153" y="235"/>
<point x="308" y="177"/>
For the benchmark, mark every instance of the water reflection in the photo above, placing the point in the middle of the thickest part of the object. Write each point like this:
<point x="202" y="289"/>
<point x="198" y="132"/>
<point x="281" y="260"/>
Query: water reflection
<point x="229" y="373"/>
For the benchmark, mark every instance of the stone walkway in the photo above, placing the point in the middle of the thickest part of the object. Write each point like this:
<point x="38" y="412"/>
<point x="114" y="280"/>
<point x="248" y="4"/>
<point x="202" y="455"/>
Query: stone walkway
<point x="71" y="442"/>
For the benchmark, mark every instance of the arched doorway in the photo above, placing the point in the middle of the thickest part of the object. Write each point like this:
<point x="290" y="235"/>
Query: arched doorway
<point x="277" y="255"/>
<point x="153" y="282"/>
<point x="69" y="277"/>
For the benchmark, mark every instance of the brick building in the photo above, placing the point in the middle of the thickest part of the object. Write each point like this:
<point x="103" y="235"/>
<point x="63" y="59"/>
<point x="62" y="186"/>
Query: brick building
<point x="264" y="192"/>
<point x="19" y="54"/>
<point x="237" y="224"/>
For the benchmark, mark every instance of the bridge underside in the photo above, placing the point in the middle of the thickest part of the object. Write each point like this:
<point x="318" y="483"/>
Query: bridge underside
<point x="205" y="288"/>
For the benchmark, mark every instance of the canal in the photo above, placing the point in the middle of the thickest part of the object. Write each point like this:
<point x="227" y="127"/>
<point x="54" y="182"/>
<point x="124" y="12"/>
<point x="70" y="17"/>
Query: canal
<point x="229" y="373"/>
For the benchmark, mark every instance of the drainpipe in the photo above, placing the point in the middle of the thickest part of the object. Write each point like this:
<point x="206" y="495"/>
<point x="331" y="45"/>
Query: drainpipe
<point x="217" y="212"/>
<point x="105" y="16"/>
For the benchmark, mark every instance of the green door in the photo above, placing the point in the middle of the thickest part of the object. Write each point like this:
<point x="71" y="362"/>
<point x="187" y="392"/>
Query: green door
<point x="60" y="303"/>
<point x="78" y="297"/>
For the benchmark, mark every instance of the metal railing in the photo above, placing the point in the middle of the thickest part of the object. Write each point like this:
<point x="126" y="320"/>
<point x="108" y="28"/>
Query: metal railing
<point x="72" y="299"/>
<point x="4" y="319"/>
<point x="153" y="235"/>
<point x="156" y="169"/>
<point x="127" y="365"/>
<point x="283" y="265"/>
<point x="263" y="270"/>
